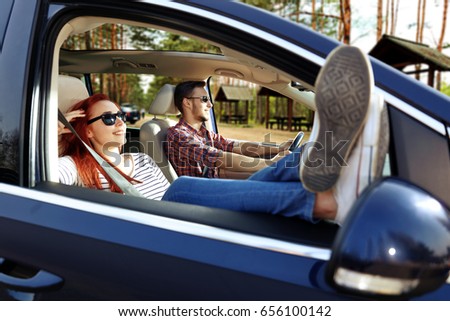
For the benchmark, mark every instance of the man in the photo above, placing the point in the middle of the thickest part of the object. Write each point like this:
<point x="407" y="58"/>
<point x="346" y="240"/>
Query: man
<point x="193" y="150"/>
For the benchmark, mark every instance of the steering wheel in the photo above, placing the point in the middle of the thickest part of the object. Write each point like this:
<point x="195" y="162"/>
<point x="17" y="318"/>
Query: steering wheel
<point x="297" y="141"/>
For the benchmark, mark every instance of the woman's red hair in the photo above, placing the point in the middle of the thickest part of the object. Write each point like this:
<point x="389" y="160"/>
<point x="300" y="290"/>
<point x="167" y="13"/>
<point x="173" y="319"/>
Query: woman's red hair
<point x="70" y="145"/>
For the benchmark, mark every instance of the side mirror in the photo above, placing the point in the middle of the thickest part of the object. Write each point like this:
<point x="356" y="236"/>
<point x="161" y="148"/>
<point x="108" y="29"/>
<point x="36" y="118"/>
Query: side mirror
<point x="395" y="243"/>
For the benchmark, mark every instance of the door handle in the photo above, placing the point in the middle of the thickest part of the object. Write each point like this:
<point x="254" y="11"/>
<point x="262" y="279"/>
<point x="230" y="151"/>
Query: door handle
<point x="38" y="280"/>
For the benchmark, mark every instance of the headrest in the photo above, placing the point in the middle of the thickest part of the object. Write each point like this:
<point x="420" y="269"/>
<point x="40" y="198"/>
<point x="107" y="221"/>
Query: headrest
<point x="70" y="91"/>
<point x="163" y="104"/>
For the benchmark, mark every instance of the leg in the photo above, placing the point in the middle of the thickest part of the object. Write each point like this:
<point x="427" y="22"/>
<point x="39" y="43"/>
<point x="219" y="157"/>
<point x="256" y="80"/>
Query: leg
<point x="352" y="119"/>
<point x="279" y="198"/>
<point x="343" y="92"/>
<point x="285" y="170"/>
<point x="334" y="197"/>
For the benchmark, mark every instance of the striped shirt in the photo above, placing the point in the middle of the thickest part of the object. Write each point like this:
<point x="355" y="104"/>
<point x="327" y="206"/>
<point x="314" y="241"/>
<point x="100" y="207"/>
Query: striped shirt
<point x="154" y="183"/>
<point x="195" y="153"/>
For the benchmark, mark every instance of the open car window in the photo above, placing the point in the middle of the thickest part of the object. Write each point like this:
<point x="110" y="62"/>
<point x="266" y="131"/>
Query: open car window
<point x="133" y="75"/>
<point x="247" y="92"/>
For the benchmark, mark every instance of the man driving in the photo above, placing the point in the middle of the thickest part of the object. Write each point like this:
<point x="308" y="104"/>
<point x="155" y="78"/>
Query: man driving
<point x="194" y="150"/>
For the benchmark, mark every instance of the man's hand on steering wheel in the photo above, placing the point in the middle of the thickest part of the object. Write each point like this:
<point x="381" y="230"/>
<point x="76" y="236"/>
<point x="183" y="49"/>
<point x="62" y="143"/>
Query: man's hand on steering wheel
<point x="296" y="143"/>
<point x="284" y="146"/>
<point x="280" y="155"/>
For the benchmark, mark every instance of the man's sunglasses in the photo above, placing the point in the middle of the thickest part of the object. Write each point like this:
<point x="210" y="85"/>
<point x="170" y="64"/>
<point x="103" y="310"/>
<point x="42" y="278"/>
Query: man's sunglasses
<point x="203" y="99"/>
<point x="108" y="119"/>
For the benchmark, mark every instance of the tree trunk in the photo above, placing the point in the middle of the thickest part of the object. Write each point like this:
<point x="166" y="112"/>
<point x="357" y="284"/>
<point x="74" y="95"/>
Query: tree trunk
<point x="420" y="26"/>
<point x="346" y="16"/>
<point x="113" y="87"/>
<point x="87" y="40"/>
<point x="322" y="21"/>
<point x="441" y="41"/>
<point x="420" y="20"/>
<point x="394" y="23"/>
<point x="100" y="37"/>
<point x="297" y="10"/>
<point x="444" y="24"/>
<point x="392" y="32"/>
<point x="386" y="26"/>
<point x="379" y="19"/>
<point x="100" y="45"/>
<point x="313" y="15"/>
<point x="419" y="6"/>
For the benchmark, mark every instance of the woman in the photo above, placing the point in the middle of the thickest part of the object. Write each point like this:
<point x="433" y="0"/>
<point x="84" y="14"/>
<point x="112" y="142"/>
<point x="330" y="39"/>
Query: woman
<point x="100" y="123"/>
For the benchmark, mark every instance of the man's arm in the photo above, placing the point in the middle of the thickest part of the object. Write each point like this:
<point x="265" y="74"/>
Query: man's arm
<point x="252" y="149"/>
<point x="231" y="161"/>
<point x="247" y="157"/>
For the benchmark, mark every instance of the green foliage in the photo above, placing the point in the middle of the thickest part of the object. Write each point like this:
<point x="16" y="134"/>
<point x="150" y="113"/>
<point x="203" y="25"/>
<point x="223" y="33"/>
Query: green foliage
<point x="144" y="38"/>
<point x="156" y="84"/>
<point x="182" y="43"/>
<point x="263" y="4"/>
<point x="135" y="91"/>
<point x="151" y="39"/>
<point x="325" y="18"/>
<point x="445" y="88"/>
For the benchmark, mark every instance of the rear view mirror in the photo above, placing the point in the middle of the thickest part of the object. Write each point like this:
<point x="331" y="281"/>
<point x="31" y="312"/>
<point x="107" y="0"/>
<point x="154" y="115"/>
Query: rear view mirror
<point x="395" y="243"/>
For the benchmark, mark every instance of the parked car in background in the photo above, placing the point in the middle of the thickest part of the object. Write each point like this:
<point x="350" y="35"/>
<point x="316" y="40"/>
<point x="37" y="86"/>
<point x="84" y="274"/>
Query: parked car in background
<point x="60" y="242"/>
<point x="132" y="112"/>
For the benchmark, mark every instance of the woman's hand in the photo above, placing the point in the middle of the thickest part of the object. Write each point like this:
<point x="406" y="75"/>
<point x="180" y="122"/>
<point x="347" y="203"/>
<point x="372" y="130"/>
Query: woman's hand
<point x="70" y="116"/>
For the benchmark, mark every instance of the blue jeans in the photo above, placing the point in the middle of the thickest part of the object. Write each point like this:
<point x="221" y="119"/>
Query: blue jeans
<point x="273" y="190"/>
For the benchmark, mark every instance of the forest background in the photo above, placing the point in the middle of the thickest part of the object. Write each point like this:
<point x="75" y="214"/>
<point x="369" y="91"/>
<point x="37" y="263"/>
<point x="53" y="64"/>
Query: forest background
<point x="361" y="23"/>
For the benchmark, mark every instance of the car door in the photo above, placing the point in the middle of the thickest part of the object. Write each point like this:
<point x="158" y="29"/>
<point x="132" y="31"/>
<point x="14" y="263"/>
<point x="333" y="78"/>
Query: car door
<point x="58" y="244"/>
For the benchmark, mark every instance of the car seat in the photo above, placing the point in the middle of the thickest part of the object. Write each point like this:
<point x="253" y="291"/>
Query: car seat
<point x="154" y="132"/>
<point x="70" y="91"/>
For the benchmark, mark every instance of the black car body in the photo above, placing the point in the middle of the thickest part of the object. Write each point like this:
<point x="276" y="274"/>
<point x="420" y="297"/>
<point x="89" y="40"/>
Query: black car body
<point x="62" y="242"/>
<point x="131" y="111"/>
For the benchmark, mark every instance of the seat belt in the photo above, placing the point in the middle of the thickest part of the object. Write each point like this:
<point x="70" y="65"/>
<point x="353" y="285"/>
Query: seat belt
<point x="123" y="184"/>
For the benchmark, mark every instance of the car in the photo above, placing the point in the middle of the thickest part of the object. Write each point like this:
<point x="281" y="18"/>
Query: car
<point x="131" y="111"/>
<point x="60" y="242"/>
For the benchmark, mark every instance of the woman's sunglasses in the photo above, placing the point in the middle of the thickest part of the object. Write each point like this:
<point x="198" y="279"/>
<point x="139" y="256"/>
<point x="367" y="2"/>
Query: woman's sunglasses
<point x="108" y="119"/>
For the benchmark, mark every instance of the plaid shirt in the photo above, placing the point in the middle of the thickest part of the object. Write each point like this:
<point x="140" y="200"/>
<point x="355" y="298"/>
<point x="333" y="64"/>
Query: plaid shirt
<point x="195" y="153"/>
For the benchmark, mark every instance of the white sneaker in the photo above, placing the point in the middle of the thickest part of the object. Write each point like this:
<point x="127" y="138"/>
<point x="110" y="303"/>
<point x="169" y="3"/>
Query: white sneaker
<point x="347" y="187"/>
<point x="366" y="160"/>
<point x="375" y="143"/>
<point x="343" y="92"/>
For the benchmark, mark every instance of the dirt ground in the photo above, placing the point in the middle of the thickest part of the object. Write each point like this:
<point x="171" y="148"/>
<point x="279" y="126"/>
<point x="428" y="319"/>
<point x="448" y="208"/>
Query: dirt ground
<point x="254" y="133"/>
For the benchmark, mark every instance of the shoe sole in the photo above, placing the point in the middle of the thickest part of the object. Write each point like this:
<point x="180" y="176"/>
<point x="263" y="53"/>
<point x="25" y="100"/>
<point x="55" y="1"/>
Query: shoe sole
<point x="343" y="91"/>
